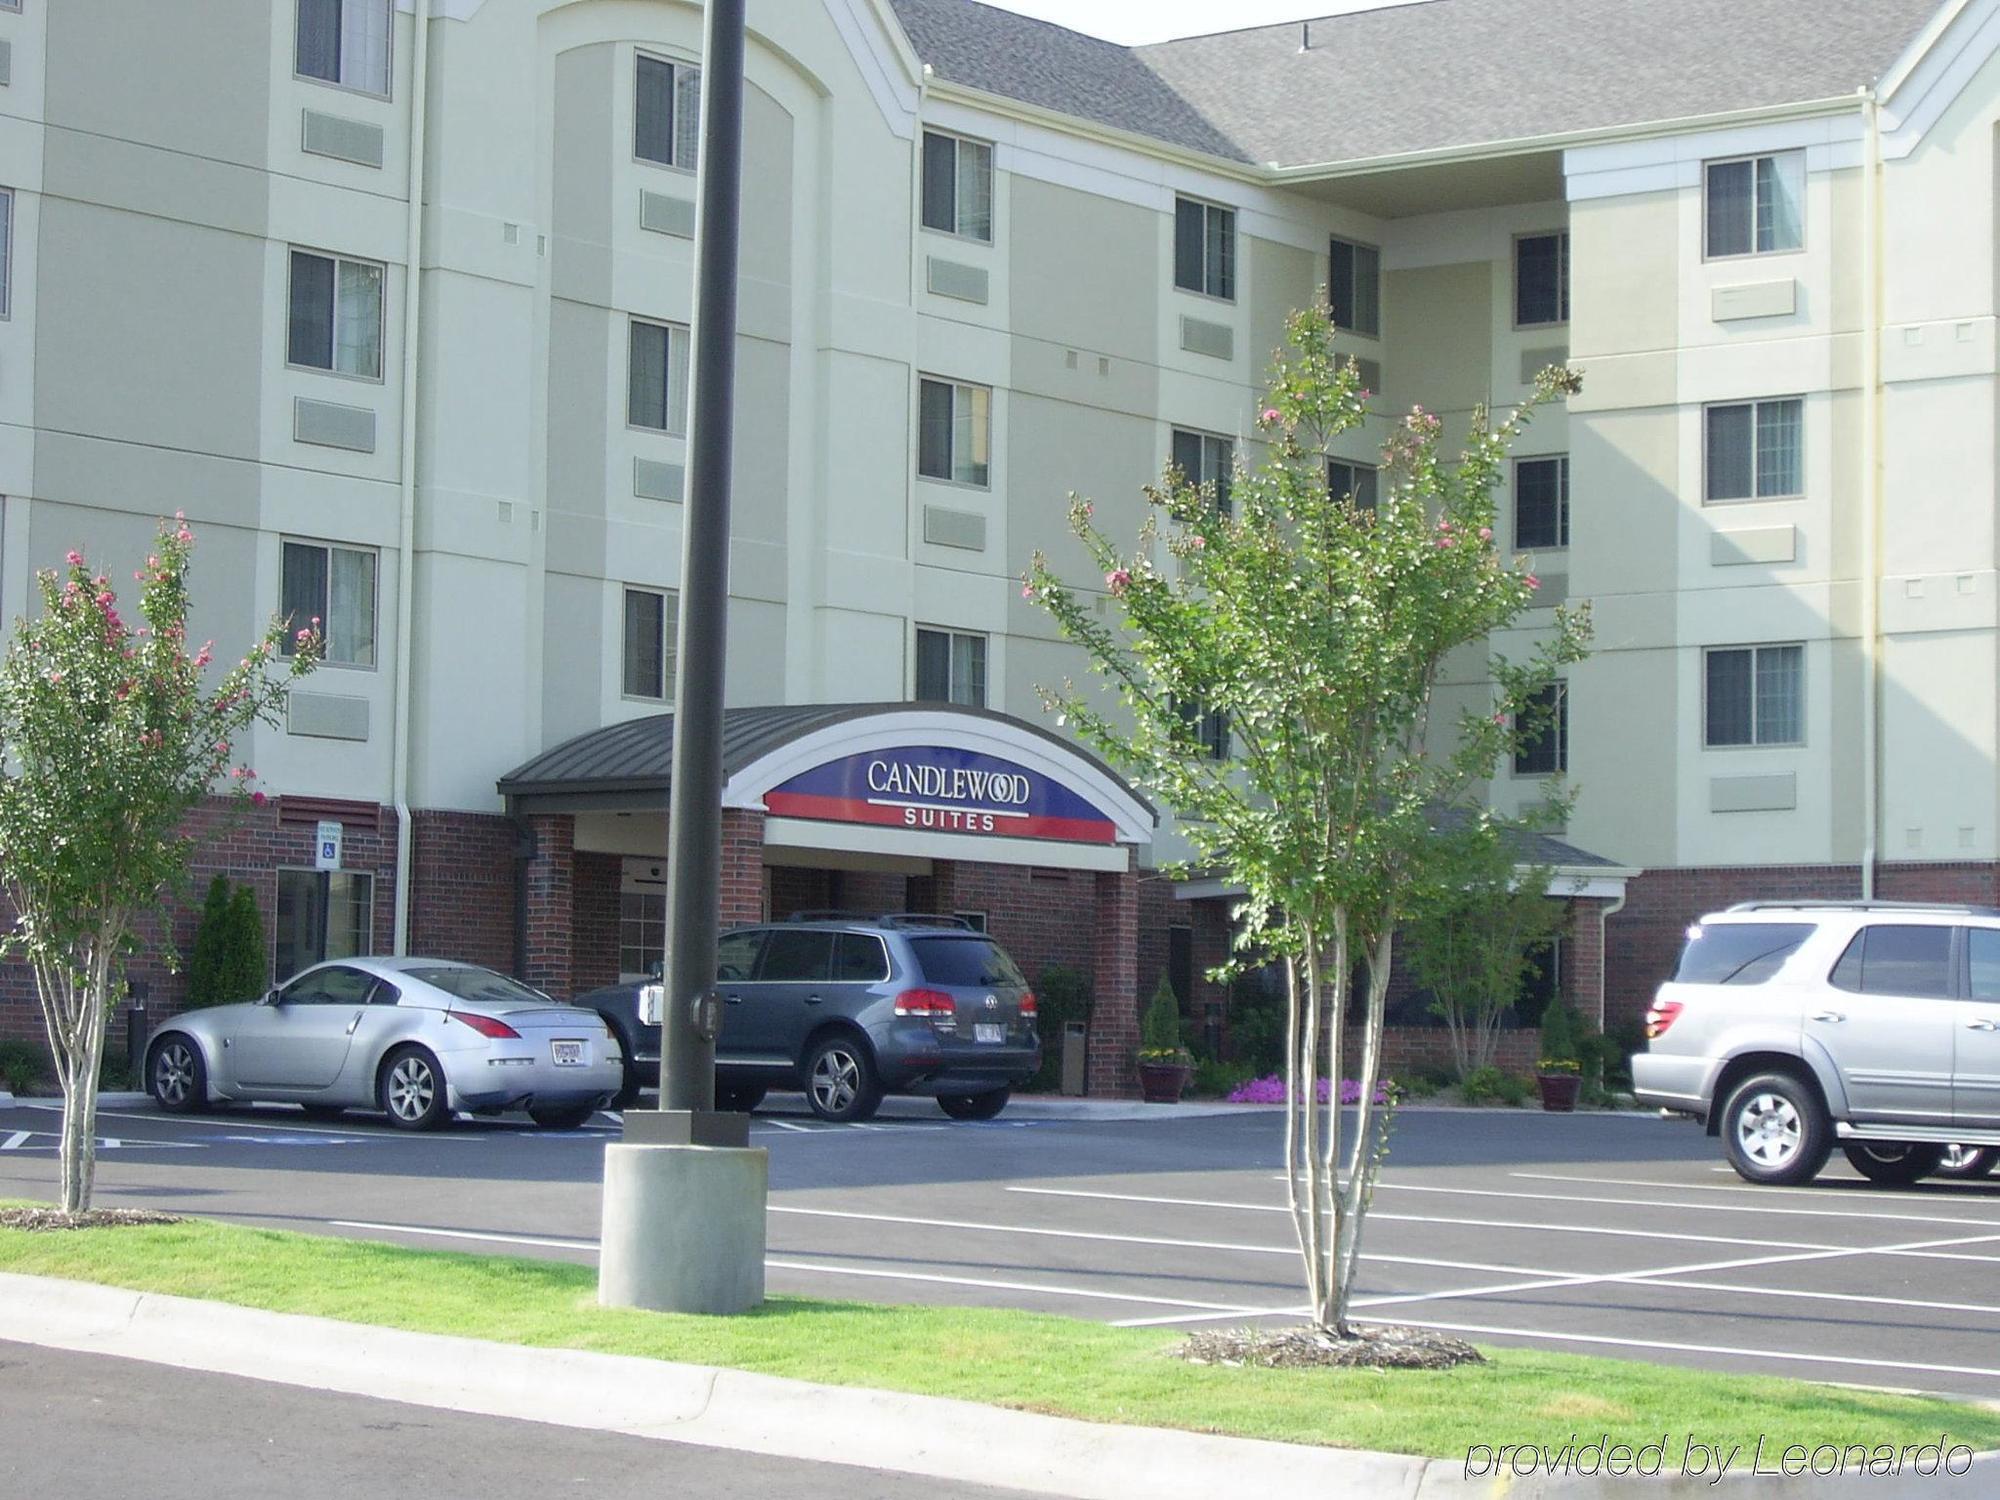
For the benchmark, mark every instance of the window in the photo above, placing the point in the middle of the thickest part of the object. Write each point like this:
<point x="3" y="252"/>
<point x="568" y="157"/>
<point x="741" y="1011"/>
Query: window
<point x="336" y="586"/>
<point x="322" y="914"/>
<point x="951" y="667"/>
<point x="642" y="918"/>
<point x="958" y="186"/>
<point x="6" y="249"/>
<point x="1541" y="279"/>
<point x="1354" y="483"/>
<point x="345" y="42"/>
<point x="1738" y="952"/>
<point x="1205" y="460"/>
<point x="1354" y="287"/>
<point x="954" y="431"/>
<point x="859" y="958"/>
<point x="1210" y="726"/>
<point x="736" y="954"/>
<point x="666" y="113"/>
<point x="336" y="315"/>
<point x="964" y="958"/>
<point x="1896" y="960"/>
<point x="341" y="986"/>
<point x="796" y="956"/>
<point x="976" y="920"/>
<point x="651" y="635"/>
<point x="1541" y="502"/>
<point x="1984" y="953"/>
<point x="1755" y="696"/>
<point x="1755" y="450"/>
<point x="1544" y="721"/>
<point x="657" y="378"/>
<point x="1756" y="205"/>
<point x="1205" y="248"/>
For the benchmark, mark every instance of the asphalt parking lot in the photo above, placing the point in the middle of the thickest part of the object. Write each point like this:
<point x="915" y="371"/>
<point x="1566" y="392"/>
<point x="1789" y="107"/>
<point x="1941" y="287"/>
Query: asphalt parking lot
<point x="1621" y="1235"/>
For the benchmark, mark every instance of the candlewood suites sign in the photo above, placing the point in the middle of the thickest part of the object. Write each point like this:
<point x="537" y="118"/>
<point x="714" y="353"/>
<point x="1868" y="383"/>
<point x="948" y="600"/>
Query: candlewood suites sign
<point x="934" y="789"/>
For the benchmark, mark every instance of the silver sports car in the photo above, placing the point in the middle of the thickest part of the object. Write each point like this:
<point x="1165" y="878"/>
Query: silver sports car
<point x="417" y="1037"/>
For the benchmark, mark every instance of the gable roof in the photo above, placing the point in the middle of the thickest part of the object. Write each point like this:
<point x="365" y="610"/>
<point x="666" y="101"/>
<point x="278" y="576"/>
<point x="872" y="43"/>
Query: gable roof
<point x="1428" y="76"/>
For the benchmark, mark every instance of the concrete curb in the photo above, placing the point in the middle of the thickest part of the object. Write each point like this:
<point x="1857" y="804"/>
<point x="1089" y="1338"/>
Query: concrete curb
<point x="927" y="1435"/>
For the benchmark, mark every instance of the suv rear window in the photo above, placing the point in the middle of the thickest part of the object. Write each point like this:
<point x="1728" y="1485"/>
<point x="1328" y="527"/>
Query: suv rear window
<point x="1738" y="952"/>
<point x="965" y="959"/>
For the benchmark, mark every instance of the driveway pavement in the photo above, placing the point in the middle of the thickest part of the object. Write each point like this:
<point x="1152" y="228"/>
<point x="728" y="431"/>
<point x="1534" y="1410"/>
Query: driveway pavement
<point x="1621" y="1235"/>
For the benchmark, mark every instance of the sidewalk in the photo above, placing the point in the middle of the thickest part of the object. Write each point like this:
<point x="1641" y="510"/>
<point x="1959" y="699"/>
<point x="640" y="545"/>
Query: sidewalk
<point x="924" y="1435"/>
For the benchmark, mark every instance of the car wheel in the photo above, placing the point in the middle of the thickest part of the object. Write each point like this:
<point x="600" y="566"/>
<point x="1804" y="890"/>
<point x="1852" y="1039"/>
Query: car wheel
<point x="840" y="1080"/>
<point x="976" y="1106"/>
<point x="176" y="1076"/>
<point x="411" y="1090"/>
<point x="569" y="1117"/>
<point x="1775" y="1130"/>
<point x="1964" y="1162"/>
<point x="1893" y="1161"/>
<point x="739" y="1098"/>
<point x="324" y="1112"/>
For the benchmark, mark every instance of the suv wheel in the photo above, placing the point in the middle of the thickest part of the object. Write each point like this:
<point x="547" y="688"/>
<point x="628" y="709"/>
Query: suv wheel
<point x="840" y="1080"/>
<point x="1967" y="1162"/>
<point x="1893" y="1161"/>
<point x="1775" y="1131"/>
<point x="976" y="1106"/>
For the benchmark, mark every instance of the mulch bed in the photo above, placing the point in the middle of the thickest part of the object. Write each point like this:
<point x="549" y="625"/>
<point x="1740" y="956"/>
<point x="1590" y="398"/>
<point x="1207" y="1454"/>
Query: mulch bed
<point x="96" y="1218"/>
<point x="1393" y="1347"/>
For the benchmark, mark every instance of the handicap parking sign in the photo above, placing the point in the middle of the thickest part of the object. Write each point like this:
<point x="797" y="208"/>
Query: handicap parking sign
<point x="326" y="847"/>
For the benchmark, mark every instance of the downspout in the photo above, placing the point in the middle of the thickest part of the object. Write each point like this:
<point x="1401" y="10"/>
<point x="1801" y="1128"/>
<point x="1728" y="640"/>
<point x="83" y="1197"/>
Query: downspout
<point x="1871" y="483"/>
<point x="406" y="535"/>
<point x="1605" y="913"/>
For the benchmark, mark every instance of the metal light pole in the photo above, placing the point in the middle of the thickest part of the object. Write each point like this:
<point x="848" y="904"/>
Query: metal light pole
<point x="684" y="1193"/>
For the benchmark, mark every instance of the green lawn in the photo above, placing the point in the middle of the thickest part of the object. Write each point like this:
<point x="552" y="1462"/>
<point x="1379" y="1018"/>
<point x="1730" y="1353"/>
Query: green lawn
<point x="1059" y="1365"/>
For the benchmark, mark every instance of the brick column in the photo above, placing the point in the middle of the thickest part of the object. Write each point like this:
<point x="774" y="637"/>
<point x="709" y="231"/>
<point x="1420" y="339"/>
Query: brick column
<point x="1584" y="980"/>
<point x="742" y="892"/>
<point x="1114" y="1017"/>
<point x="937" y="892"/>
<point x="551" y="913"/>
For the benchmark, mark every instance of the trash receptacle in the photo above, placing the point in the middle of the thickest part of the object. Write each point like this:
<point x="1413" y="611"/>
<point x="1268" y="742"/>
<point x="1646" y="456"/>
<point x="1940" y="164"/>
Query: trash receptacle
<point x="1075" y="1057"/>
<point x="137" y="1031"/>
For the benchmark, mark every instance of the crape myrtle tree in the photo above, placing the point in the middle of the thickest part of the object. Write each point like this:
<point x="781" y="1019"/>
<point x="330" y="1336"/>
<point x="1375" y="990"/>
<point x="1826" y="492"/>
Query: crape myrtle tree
<point x="110" y="740"/>
<point x="1321" y="630"/>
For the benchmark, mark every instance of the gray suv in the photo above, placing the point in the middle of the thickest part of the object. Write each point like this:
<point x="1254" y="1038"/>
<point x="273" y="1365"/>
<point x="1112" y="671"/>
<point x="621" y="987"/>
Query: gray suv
<point x="851" y="1009"/>
<point x="1790" y="1028"/>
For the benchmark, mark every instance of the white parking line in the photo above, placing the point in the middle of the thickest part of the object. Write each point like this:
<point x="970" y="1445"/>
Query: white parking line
<point x="16" y="1141"/>
<point x="1215" y="1309"/>
<point x="1866" y="1194"/>
<point x="1059" y="1234"/>
<point x="1712" y="1208"/>
<point x="1214" y="1317"/>
<point x="1776" y="1356"/>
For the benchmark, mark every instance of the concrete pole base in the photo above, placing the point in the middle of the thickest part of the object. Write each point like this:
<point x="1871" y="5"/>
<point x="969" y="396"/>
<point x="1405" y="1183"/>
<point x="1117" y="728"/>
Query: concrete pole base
<point x="683" y="1228"/>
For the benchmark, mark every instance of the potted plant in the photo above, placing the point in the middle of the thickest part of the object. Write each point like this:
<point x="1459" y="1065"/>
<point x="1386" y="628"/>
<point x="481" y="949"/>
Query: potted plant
<point x="1164" y="1064"/>
<point x="1559" y="1074"/>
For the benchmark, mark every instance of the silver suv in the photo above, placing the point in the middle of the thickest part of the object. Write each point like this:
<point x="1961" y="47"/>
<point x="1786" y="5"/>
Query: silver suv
<point x="1790" y="1027"/>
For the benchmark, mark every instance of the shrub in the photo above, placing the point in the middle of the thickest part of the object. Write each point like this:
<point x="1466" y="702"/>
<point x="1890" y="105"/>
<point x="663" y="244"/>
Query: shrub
<point x="1214" y="1078"/>
<point x="245" y="971"/>
<point x="205" y="958"/>
<point x="1062" y="995"/>
<point x="1257" y="1026"/>
<point x="24" y="1067"/>
<point x="1562" y="1039"/>
<point x="1491" y="1086"/>
<point x="1160" y="1031"/>
<point x="1417" y="1085"/>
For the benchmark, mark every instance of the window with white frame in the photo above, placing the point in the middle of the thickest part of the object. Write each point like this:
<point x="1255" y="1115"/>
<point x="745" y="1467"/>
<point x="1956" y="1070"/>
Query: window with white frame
<point x="6" y="250"/>
<point x="1541" y="279"/>
<point x="958" y="186"/>
<point x="642" y="919"/>
<point x="1354" y="287"/>
<point x="336" y="315"/>
<point x="345" y="42"/>
<point x="652" y="623"/>
<point x="1753" y="695"/>
<point x="656" y="393"/>
<point x="1205" y="248"/>
<point x="1541" y="502"/>
<point x="951" y="667"/>
<point x="335" y="586"/>
<point x="1354" y="483"/>
<point x="1754" y="450"/>
<point x="1210" y="726"/>
<point x="954" y="431"/>
<point x="666" y="112"/>
<point x="1543" y="749"/>
<point x="1755" y="205"/>
<point x="321" y="914"/>
<point x="1205" y="459"/>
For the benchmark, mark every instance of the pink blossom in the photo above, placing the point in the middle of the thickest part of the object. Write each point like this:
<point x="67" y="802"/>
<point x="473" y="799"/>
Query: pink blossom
<point x="1027" y="591"/>
<point x="1117" y="579"/>
<point x="1532" y="582"/>
<point x="1444" y="523"/>
<point x="205" y="655"/>
<point x="1269" y="416"/>
<point x="153" y="562"/>
<point x="184" y="535"/>
<point x="1197" y="541"/>
<point x="258" y="799"/>
<point x="55" y="677"/>
<point x="1366" y="393"/>
<point x="75" y="558"/>
<point x="1088" y="510"/>
<point x="303" y="636"/>
<point x="1486" y="533"/>
<point x="1445" y="541"/>
<point x="1500" y="718"/>
<point x="222" y="747"/>
<point x="107" y="597"/>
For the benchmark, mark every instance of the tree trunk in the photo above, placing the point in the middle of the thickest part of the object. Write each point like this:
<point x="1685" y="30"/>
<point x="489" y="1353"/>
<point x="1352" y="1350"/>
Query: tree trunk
<point x="1371" y="1127"/>
<point x="78" y="1068"/>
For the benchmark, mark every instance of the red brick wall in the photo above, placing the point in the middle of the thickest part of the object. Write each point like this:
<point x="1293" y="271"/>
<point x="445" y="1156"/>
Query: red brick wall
<point x="1114" y="1013"/>
<point x="462" y="888"/>
<point x="742" y="882"/>
<point x="550" y="950"/>
<point x="594" y="935"/>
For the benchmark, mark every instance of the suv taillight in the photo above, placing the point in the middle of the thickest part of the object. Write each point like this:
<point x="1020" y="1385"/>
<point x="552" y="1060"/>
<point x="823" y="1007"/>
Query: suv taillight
<point x="934" y="1006"/>
<point x="1660" y="1015"/>
<point x="1029" y="1008"/>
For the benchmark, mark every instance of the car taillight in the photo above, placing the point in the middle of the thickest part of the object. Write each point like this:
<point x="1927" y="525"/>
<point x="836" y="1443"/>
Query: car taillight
<point x="1029" y="1009"/>
<point x="1660" y="1015"/>
<point x="934" y="1006"/>
<point x="486" y="1025"/>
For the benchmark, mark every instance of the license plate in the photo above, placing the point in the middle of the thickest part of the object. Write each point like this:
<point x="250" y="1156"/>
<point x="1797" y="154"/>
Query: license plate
<point x="988" y="1031"/>
<point x="568" y="1054"/>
